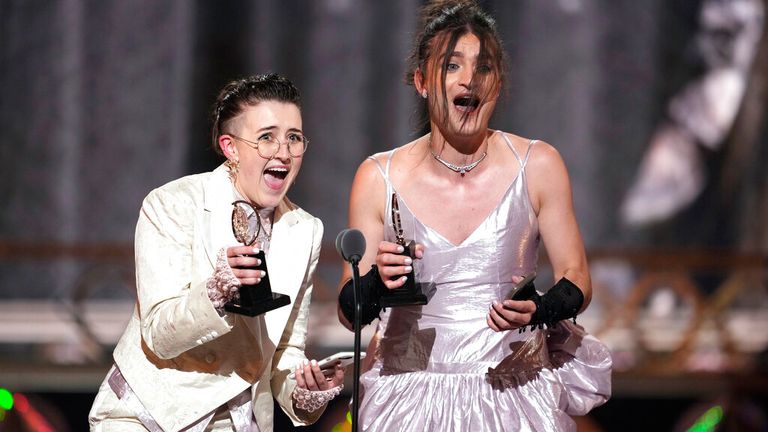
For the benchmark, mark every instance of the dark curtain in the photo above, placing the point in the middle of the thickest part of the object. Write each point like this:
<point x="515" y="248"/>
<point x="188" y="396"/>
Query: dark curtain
<point x="103" y="101"/>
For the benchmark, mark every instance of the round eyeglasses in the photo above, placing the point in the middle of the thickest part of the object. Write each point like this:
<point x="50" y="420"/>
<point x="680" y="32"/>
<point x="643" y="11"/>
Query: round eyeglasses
<point x="268" y="145"/>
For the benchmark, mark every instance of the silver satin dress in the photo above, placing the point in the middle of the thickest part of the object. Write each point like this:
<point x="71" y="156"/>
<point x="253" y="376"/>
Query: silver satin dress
<point x="439" y="367"/>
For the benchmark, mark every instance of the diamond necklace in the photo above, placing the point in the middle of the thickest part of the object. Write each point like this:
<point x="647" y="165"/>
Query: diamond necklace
<point x="463" y="169"/>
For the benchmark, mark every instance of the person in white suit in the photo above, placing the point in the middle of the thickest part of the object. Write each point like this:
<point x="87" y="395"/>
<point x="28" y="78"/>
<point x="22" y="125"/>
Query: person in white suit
<point x="184" y="363"/>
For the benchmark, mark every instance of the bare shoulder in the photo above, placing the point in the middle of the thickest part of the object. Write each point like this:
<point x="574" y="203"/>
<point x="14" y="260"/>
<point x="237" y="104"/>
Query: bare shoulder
<point x="366" y="198"/>
<point x="538" y="150"/>
<point x="399" y="163"/>
<point x="368" y="184"/>
<point x="544" y="158"/>
<point x="380" y="157"/>
<point x="369" y="172"/>
<point x="407" y="156"/>
<point x="546" y="174"/>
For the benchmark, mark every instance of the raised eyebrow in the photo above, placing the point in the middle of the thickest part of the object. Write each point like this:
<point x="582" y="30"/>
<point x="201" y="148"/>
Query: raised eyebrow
<point x="272" y="128"/>
<point x="266" y="128"/>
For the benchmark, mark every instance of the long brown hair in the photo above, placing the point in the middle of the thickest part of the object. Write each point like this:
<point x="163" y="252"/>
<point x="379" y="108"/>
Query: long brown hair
<point x="443" y="22"/>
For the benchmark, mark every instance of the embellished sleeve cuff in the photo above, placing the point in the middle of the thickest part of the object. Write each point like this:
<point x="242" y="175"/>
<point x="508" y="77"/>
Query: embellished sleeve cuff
<point x="223" y="286"/>
<point x="311" y="401"/>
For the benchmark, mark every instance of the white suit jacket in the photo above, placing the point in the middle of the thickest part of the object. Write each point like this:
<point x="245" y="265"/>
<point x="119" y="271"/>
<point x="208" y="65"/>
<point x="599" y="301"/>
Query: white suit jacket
<point x="178" y="355"/>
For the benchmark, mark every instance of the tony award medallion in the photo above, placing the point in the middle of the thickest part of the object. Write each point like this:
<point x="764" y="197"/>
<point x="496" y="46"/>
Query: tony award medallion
<point x="409" y="293"/>
<point x="254" y="299"/>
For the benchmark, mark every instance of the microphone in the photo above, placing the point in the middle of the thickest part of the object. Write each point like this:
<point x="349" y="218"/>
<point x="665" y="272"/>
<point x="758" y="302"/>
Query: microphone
<point x="338" y="241"/>
<point x="350" y="243"/>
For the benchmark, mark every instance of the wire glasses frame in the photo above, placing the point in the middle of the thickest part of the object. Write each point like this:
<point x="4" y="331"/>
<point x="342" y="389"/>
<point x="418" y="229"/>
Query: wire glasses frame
<point x="271" y="145"/>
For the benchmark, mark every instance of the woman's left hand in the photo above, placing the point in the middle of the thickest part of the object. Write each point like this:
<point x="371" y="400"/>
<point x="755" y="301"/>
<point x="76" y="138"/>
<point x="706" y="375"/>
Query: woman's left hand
<point x="510" y="314"/>
<point x="309" y="376"/>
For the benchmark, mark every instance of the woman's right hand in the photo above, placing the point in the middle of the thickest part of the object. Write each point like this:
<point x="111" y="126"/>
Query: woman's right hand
<point x="391" y="264"/>
<point x="243" y="262"/>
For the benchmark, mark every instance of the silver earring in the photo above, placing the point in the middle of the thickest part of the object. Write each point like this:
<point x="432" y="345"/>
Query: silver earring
<point x="424" y="94"/>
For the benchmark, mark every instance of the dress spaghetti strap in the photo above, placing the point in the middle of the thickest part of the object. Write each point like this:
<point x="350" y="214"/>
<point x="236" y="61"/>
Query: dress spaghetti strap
<point x="385" y="171"/>
<point x="528" y="151"/>
<point x="524" y="161"/>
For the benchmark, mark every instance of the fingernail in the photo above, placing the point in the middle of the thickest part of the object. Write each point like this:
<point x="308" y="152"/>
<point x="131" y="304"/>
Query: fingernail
<point x="263" y="273"/>
<point x="405" y="278"/>
<point x="408" y="261"/>
<point x="258" y="262"/>
<point x="314" y="362"/>
<point x="400" y="249"/>
<point x="408" y="269"/>
<point x="495" y="303"/>
<point x="255" y="250"/>
<point x="305" y="362"/>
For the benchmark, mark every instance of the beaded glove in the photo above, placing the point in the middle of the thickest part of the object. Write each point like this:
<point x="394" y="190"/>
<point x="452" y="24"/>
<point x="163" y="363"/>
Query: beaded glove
<point x="311" y="401"/>
<point x="223" y="286"/>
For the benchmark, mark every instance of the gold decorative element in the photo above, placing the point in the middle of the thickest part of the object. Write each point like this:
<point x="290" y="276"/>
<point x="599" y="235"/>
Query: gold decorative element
<point x="233" y="167"/>
<point x="240" y="223"/>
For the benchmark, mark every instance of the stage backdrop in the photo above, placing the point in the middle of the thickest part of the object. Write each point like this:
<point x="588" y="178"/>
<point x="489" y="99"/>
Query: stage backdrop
<point x="103" y="101"/>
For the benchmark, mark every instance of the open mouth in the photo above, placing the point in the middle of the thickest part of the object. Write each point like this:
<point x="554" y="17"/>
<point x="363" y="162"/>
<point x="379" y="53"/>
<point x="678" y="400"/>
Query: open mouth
<point x="275" y="176"/>
<point x="466" y="102"/>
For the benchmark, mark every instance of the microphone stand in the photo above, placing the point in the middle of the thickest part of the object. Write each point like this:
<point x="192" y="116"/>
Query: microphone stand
<point x="356" y="368"/>
<point x="350" y="244"/>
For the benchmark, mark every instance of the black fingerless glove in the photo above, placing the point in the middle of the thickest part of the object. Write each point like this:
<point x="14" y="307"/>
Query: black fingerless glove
<point x="371" y="288"/>
<point x="562" y="301"/>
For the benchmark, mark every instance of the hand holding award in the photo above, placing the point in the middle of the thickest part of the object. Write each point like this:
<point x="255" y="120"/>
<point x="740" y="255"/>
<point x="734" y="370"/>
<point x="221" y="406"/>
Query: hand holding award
<point x="409" y="293"/>
<point x="259" y="298"/>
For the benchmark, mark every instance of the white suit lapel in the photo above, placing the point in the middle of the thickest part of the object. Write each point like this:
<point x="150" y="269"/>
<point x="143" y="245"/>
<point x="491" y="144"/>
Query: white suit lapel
<point x="219" y="197"/>
<point x="287" y="261"/>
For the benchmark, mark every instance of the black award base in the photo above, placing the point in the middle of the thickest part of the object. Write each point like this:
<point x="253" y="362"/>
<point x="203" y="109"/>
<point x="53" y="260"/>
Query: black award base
<point x="408" y="294"/>
<point x="258" y="299"/>
<point x="257" y="308"/>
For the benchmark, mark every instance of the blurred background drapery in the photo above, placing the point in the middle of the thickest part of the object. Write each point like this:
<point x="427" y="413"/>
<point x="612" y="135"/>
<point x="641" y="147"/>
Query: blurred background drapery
<point x="658" y="108"/>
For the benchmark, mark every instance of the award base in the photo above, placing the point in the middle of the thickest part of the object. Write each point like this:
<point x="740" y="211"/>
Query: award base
<point x="408" y="294"/>
<point x="274" y="301"/>
<point x="402" y="297"/>
<point x="258" y="299"/>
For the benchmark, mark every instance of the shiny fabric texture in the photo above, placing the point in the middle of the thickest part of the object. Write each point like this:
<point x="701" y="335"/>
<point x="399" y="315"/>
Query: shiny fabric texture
<point x="128" y="397"/>
<point x="439" y="367"/>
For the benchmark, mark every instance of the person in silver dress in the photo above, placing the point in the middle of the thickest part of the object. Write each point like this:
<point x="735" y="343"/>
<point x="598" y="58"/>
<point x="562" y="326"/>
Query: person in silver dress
<point x="477" y="202"/>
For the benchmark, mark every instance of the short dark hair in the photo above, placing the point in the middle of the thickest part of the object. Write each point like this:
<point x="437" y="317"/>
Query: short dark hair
<point x="241" y="93"/>
<point x="443" y="22"/>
